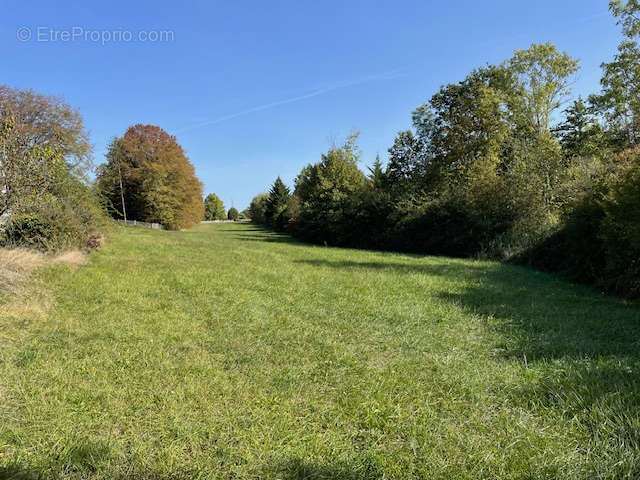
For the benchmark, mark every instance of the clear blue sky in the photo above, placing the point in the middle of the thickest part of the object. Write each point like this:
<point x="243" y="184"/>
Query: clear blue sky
<point x="253" y="90"/>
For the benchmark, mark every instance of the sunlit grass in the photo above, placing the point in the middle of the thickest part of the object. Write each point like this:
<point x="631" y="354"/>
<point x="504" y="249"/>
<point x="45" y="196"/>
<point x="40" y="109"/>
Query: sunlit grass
<point x="231" y="352"/>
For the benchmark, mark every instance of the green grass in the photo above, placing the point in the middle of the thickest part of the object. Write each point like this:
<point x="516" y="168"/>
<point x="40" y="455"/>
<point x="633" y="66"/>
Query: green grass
<point x="230" y="352"/>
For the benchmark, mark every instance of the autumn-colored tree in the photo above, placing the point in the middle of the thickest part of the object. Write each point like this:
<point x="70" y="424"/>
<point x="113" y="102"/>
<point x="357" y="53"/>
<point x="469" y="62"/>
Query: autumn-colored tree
<point x="41" y="120"/>
<point x="148" y="175"/>
<point x="45" y="155"/>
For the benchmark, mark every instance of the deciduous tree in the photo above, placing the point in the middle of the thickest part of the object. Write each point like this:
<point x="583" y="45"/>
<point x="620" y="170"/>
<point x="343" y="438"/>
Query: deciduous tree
<point x="214" y="208"/>
<point x="233" y="214"/>
<point x="158" y="180"/>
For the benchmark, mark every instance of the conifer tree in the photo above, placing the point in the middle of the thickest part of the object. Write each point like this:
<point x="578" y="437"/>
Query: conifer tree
<point x="276" y="203"/>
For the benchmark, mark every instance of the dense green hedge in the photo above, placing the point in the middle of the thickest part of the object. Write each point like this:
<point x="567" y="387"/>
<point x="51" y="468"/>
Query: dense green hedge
<point x="485" y="172"/>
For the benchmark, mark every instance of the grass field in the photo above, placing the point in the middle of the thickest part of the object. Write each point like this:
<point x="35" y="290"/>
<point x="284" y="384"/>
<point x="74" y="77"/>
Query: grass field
<point x="230" y="352"/>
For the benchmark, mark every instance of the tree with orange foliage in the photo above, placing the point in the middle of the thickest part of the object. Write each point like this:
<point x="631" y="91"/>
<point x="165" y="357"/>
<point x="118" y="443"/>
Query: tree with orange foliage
<point x="148" y="175"/>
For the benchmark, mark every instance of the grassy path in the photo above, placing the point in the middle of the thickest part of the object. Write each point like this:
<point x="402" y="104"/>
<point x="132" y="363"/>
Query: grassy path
<point x="230" y="352"/>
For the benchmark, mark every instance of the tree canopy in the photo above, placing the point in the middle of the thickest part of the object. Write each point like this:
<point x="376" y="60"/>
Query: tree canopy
<point x="149" y="170"/>
<point x="214" y="208"/>
<point x="233" y="213"/>
<point x="45" y="157"/>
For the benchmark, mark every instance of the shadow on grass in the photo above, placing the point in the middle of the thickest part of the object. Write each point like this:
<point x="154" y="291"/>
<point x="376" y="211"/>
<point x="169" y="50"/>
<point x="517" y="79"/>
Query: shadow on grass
<point x="299" y="469"/>
<point x="538" y="315"/>
<point x="584" y="346"/>
<point x="256" y="233"/>
<point x="270" y="238"/>
<point x="395" y="267"/>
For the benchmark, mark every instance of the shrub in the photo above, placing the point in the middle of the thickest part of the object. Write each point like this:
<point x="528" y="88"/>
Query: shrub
<point x="35" y="231"/>
<point x="620" y="226"/>
<point x="598" y="241"/>
<point x="68" y="218"/>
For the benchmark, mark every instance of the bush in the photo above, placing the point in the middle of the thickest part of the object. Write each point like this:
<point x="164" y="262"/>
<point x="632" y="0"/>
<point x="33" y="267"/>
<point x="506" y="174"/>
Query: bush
<point x="620" y="226"/>
<point x="36" y="231"/>
<point x="67" y="220"/>
<point x="598" y="241"/>
<point x="575" y="250"/>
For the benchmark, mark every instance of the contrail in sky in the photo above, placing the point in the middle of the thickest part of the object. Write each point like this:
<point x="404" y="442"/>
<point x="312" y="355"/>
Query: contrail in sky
<point x="336" y="86"/>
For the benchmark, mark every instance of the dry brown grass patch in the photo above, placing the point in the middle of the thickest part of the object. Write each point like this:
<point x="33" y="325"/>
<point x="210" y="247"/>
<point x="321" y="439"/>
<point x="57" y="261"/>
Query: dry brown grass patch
<point x="73" y="258"/>
<point x="15" y="267"/>
<point x="17" y="264"/>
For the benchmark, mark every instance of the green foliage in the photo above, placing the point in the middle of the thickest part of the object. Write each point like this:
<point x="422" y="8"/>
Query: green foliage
<point x="327" y="193"/>
<point x="214" y="208"/>
<point x="44" y="196"/>
<point x="376" y="173"/>
<point x="485" y="172"/>
<point x="233" y="214"/>
<point x="620" y="229"/>
<point x="580" y="134"/>
<point x="619" y="100"/>
<point x="276" y="204"/>
<point x="544" y="75"/>
<point x="258" y="209"/>
<point x="36" y="231"/>
<point x="67" y="218"/>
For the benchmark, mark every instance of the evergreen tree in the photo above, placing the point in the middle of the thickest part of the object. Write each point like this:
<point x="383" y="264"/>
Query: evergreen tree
<point x="580" y="134"/>
<point x="376" y="173"/>
<point x="276" y="204"/>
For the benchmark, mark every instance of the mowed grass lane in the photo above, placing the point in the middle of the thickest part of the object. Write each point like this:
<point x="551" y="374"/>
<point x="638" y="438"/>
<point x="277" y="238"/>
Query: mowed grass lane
<point x="231" y="352"/>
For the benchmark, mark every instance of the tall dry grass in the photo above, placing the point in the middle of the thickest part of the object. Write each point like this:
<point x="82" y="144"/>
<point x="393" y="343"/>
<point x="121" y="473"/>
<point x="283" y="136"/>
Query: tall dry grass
<point x="15" y="267"/>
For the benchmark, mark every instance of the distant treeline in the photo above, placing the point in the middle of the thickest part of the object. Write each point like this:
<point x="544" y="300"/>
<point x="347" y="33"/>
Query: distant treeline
<point x="495" y="166"/>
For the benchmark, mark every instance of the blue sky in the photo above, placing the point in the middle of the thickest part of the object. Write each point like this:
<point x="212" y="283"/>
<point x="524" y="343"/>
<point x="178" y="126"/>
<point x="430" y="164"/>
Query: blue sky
<point x="253" y="90"/>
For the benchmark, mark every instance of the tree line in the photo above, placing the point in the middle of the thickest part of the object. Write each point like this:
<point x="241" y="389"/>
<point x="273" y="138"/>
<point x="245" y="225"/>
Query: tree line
<point x="495" y="167"/>
<point x="48" y="200"/>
